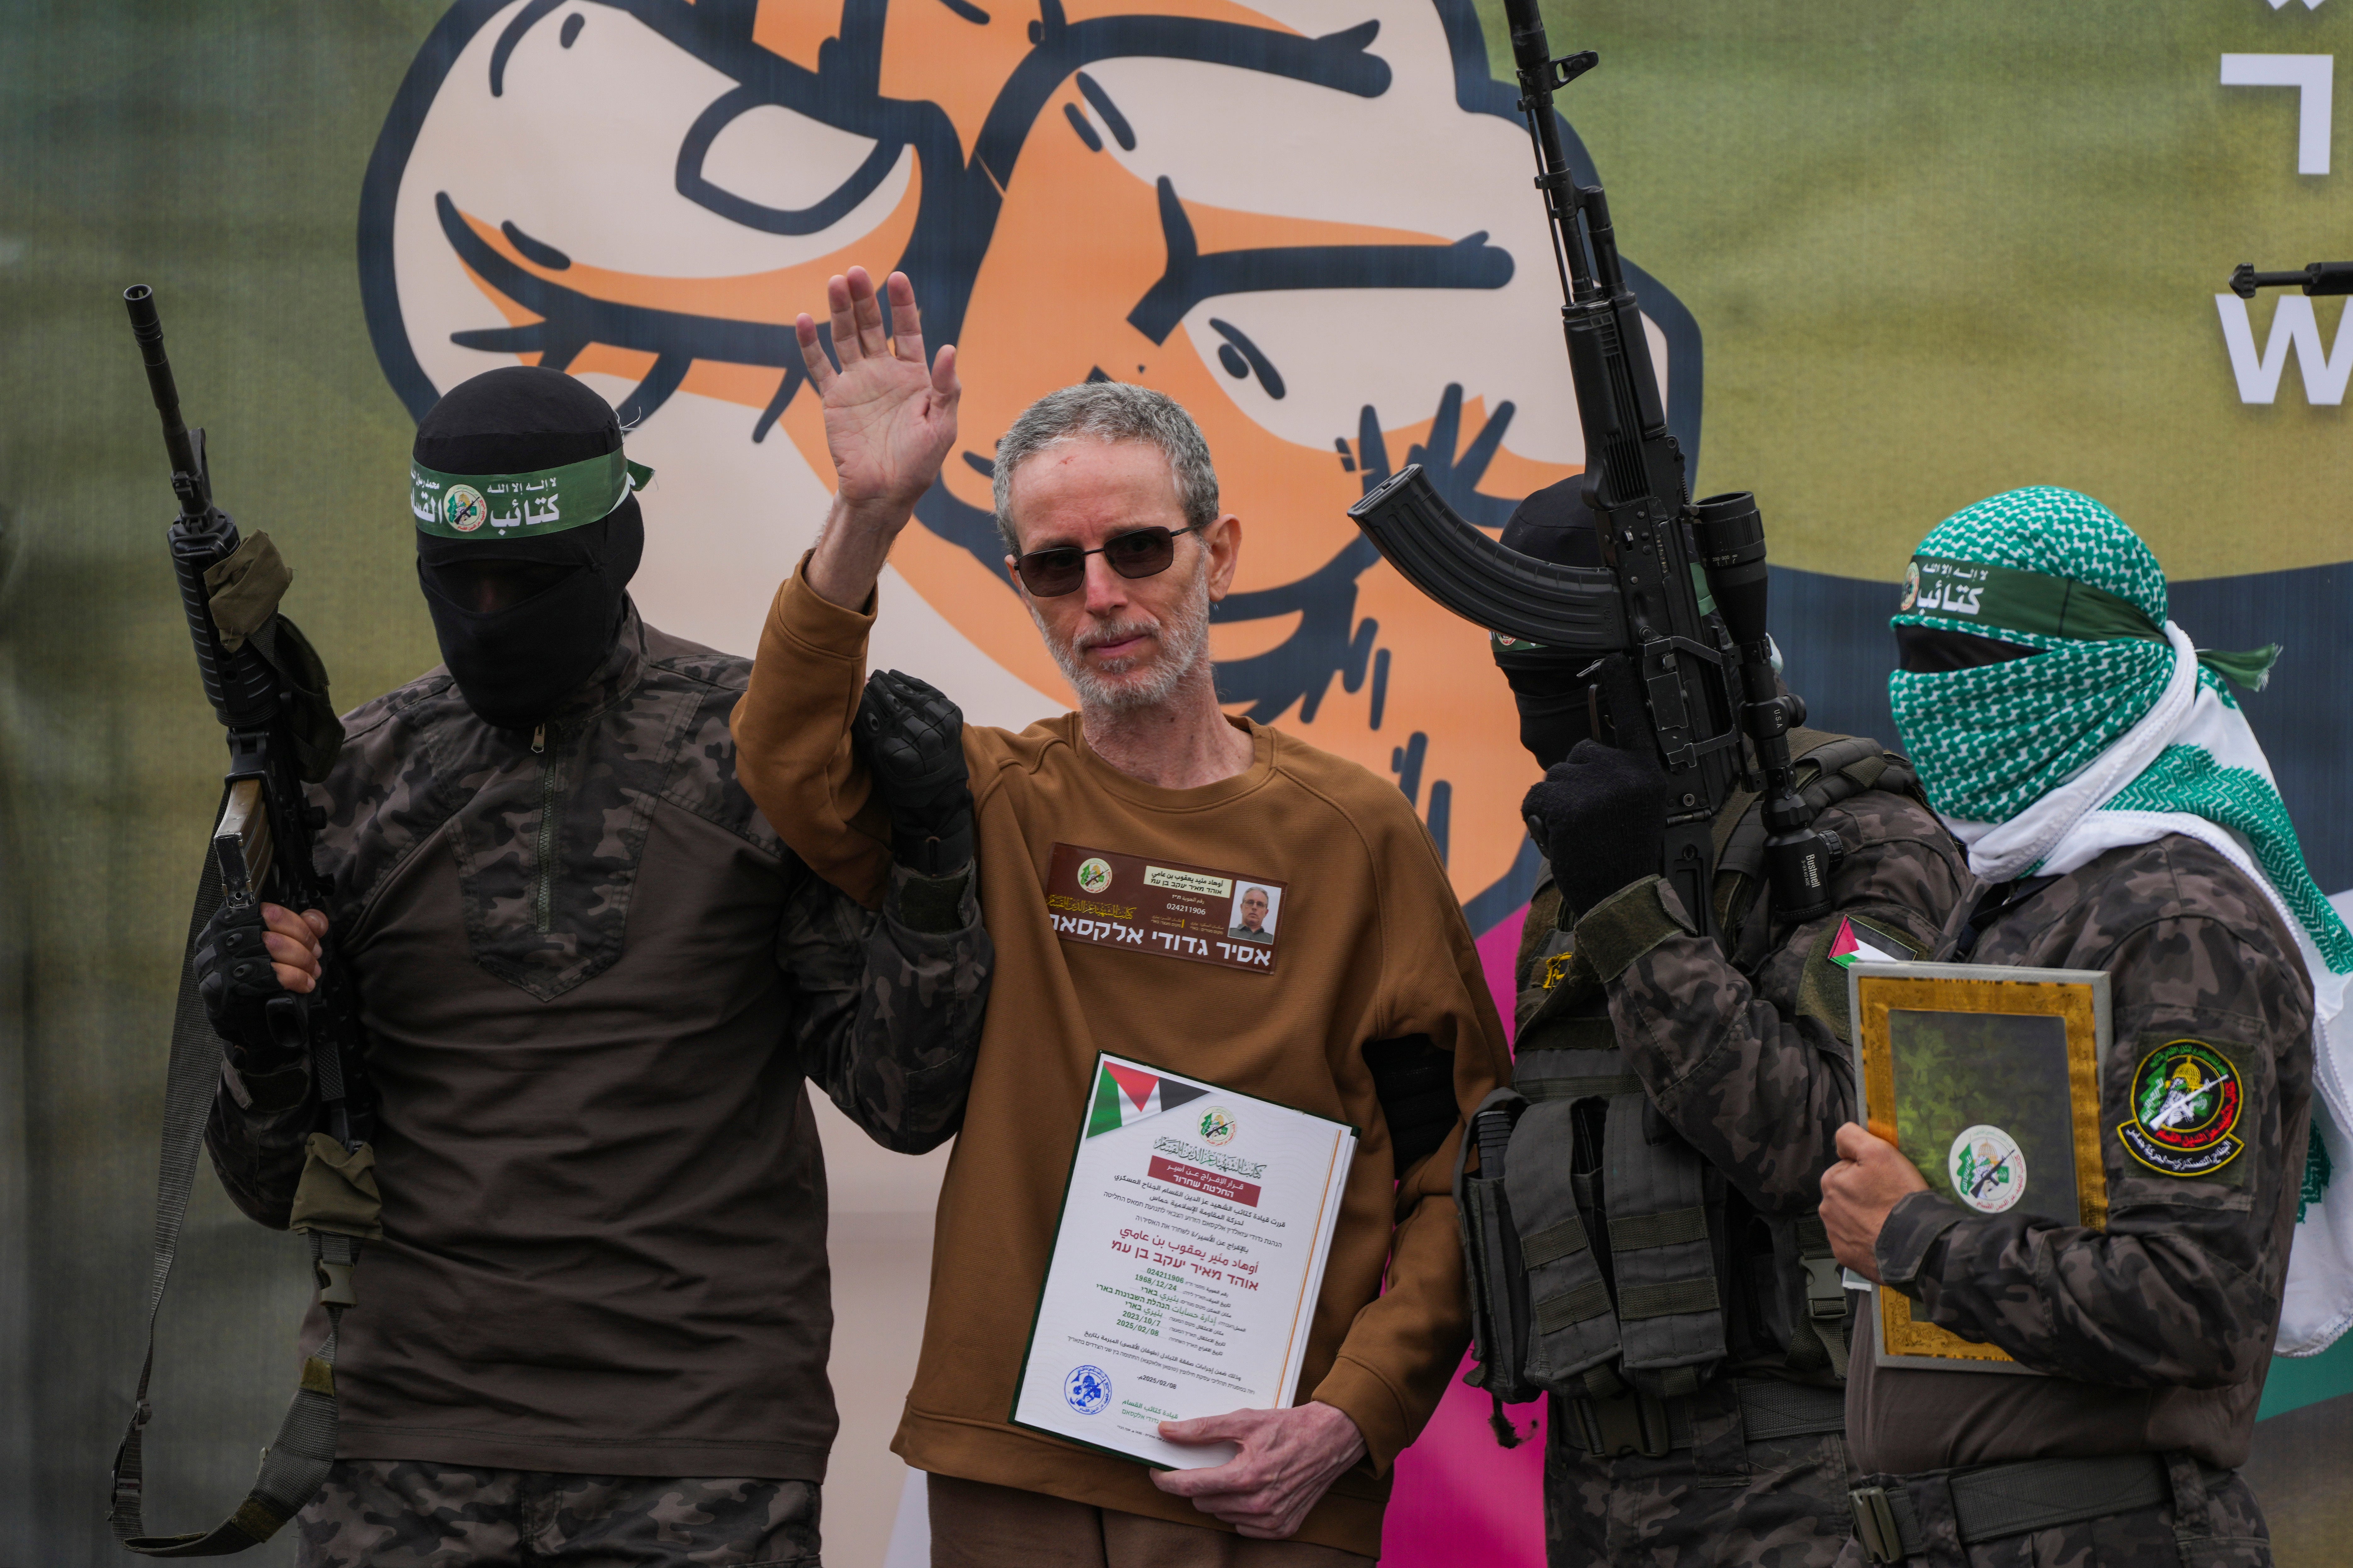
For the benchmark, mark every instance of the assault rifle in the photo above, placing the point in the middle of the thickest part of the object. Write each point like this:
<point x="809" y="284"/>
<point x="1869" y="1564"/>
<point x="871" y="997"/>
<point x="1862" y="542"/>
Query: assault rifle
<point x="1681" y="592"/>
<point x="263" y="843"/>
<point x="269" y="691"/>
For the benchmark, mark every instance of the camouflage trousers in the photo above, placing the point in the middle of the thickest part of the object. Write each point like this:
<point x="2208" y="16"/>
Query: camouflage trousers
<point x="2206" y="1526"/>
<point x="1721" y="1501"/>
<point x="407" y="1513"/>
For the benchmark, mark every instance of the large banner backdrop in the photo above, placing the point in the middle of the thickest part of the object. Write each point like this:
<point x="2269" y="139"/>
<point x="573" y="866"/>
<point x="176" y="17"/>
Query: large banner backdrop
<point x="1893" y="257"/>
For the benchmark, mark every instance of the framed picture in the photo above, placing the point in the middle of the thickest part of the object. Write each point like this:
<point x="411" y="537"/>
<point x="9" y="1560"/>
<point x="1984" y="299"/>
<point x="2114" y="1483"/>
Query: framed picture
<point x="1987" y="1078"/>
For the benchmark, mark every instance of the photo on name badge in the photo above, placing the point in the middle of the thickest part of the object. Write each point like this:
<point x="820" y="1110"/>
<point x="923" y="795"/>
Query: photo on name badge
<point x="1256" y="909"/>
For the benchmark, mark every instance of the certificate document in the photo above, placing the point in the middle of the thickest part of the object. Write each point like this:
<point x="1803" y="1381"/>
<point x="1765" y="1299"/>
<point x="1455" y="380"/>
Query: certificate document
<point x="1186" y="1263"/>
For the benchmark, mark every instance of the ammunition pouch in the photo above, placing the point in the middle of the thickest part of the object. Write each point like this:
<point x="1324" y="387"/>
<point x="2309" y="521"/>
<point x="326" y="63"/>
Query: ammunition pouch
<point x="1491" y="1269"/>
<point x="1612" y="1293"/>
<point x="1545" y="1319"/>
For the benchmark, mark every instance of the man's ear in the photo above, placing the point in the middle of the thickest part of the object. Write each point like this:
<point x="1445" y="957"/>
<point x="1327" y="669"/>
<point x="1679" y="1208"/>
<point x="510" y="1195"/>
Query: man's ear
<point x="1223" y="540"/>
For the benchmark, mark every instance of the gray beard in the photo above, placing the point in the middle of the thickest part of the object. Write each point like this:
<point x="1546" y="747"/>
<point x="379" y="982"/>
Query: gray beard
<point x="1183" y="649"/>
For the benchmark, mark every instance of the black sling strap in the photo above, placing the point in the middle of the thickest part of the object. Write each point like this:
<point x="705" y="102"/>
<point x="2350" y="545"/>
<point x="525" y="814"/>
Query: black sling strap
<point x="295" y="1464"/>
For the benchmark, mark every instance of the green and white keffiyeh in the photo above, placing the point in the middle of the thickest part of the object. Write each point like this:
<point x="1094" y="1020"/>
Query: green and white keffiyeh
<point x="2118" y="732"/>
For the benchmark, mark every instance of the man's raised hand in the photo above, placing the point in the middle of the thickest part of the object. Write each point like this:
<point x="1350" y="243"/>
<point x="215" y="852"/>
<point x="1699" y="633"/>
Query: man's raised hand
<point x="890" y="421"/>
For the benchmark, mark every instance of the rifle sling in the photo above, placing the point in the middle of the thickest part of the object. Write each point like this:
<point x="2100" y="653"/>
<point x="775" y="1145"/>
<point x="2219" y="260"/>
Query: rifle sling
<point x="295" y="1464"/>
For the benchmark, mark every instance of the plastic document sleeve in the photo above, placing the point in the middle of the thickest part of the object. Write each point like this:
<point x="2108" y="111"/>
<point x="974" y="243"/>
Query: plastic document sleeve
<point x="1187" y="1263"/>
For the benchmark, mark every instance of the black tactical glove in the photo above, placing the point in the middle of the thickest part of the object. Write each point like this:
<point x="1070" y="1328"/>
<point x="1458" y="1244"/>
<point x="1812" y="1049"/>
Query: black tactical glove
<point x="235" y="977"/>
<point x="1601" y="818"/>
<point x="912" y="738"/>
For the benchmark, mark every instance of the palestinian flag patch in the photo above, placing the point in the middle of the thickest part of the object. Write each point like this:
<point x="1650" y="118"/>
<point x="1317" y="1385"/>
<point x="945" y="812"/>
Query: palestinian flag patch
<point x="1124" y="1096"/>
<point x="1848" y="948"/>
<point x="2185" y="1103"/>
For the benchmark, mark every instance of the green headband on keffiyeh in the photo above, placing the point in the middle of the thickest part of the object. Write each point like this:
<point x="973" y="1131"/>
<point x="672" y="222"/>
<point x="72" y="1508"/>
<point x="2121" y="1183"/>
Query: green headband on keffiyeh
<point x="1992" y="739"/>
<point x="522" y="506"/>
<point x="1971" y="596"/>
<point x="2057" y="572"/>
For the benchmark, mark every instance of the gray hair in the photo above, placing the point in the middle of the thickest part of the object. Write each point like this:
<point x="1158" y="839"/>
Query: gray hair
<point x="1109" y="411"/>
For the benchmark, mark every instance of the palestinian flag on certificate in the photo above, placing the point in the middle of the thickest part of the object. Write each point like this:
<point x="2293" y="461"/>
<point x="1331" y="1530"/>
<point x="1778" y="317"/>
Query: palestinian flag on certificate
<point x="1126" y="1094"/>
<point x="1846" y="947"/>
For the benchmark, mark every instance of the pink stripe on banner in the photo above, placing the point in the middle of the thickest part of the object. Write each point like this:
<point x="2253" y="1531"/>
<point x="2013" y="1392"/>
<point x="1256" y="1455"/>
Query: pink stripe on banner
<point x="1499" y="949"/>
<point x="1459" y="1498"/>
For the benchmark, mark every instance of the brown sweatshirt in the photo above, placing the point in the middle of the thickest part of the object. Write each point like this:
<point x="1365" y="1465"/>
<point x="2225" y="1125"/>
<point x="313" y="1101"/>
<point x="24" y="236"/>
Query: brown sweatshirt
<point x="1368" y="944"/>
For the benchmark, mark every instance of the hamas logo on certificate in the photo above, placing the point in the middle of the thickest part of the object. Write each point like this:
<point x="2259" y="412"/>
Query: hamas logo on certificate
<point x="2186" y="1102"/>
<point x="1987" y="1168"/>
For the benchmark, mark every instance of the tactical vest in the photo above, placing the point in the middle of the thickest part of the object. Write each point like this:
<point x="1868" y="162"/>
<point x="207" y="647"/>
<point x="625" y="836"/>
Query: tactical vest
<point x="1660" y="1275"/>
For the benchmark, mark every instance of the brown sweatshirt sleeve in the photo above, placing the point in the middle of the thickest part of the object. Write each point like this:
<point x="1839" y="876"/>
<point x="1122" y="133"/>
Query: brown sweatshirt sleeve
<point x="1406" y="1344"/>
<point x="792" y="738"/>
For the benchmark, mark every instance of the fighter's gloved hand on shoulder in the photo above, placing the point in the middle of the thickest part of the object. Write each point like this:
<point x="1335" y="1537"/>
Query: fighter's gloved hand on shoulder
<point x="246" y="956"/>
<point x="912" y="738"/>
<point x="1601" y="819"/>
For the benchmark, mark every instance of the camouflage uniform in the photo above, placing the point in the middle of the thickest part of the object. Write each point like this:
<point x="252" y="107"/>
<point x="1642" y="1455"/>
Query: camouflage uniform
<point x="621" y="822"/>
<point x="2158" y="1327"/>
<point x="1748" y="1062"/>
<point x="395" y="1513"/>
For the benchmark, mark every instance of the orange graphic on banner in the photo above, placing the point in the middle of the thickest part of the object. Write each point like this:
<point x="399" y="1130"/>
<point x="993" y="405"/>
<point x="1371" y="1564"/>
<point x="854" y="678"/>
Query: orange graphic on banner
<point x="1042" y="174"/>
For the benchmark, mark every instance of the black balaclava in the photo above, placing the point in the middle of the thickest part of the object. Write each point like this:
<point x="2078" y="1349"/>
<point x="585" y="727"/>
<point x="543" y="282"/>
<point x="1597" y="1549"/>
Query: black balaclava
<point x="561" y="586"/>
<point x="1556" y="525"/>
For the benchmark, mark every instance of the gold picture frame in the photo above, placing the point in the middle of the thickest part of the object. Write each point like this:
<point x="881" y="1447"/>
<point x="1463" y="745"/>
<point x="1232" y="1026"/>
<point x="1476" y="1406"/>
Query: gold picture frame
<point x="1991" y="1073"/>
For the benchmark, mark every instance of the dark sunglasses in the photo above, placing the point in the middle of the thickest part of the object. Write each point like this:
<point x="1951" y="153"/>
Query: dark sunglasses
<point x="1140" y="553"/>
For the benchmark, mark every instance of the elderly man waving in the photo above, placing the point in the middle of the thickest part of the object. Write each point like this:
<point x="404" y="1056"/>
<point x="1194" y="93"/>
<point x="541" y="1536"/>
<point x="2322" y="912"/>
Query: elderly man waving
<point x="1368" y="1007"/>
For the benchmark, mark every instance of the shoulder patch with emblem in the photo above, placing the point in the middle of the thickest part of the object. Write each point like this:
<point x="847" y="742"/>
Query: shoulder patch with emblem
<point x="1863" y="941"/>
<point x="2185" y="1103"/>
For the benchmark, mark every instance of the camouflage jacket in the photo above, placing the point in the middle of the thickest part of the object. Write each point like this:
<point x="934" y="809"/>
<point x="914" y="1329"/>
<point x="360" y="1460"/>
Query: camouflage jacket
<point x="2158" y="1325"/>
<point x="1751" y="1064"/>
<point x="592" y="980"/>
<point x="888" y="1007"/>
<point x="1747" y="1058"/>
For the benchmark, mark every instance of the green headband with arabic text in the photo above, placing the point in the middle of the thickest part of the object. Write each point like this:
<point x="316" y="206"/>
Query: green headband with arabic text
<point x="1995" y="599"/>
<point x="522" y="506"/>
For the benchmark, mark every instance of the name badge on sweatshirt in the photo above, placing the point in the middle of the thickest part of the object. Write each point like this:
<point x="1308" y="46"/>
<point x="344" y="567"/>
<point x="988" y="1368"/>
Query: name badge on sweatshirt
<point x="1163" y="906"/>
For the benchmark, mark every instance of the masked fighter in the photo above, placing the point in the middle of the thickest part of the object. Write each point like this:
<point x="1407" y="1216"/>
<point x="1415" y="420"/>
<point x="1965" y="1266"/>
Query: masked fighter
<point x="592" y="981"/>
<point x="2121" y="816"/>
<point x="1365" y="1005"/>
<point x="1742" y="1061"/>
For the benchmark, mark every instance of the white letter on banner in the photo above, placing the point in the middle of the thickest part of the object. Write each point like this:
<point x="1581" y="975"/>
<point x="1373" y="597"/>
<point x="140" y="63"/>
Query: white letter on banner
<point x="2314" y="76"/>
<point x="2294" y="326"/>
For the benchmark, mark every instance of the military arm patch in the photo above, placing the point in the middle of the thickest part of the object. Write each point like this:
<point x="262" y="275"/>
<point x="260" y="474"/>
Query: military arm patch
<point x="2186" y="1100"/>
<point x="1821" y="985"/>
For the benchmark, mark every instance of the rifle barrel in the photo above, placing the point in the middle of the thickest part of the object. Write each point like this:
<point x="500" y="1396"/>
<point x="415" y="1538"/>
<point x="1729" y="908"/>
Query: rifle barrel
<point x="148" y="328"/>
